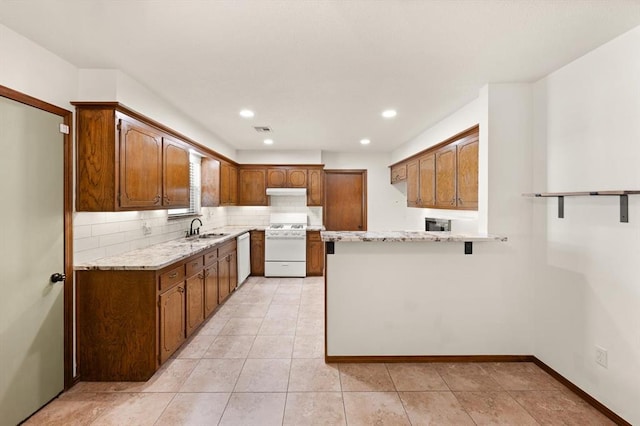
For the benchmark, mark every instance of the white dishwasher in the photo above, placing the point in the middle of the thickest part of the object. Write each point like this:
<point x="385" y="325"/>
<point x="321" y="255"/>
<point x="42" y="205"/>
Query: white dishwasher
<point x="244" y="257"/>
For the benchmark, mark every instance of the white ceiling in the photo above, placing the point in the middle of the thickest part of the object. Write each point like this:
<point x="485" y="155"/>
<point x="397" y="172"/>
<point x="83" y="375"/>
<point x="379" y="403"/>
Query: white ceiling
<point x="321" y="72"/>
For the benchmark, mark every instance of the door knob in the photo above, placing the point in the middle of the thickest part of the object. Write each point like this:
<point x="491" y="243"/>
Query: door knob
<point x="57" y="277"/>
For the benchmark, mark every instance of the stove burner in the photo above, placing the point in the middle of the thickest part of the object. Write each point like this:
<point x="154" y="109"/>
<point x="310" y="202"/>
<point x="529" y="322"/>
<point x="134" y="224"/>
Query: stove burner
<point x="296" y="226"/>
<point x="277" y="226"/>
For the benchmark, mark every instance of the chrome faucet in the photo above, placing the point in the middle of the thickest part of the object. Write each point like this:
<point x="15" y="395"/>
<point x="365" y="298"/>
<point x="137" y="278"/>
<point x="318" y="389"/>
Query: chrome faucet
<point x="197" y="230"/>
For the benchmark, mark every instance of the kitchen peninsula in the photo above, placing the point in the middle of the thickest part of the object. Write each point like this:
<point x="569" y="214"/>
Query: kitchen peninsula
<point x="411" y="294"/>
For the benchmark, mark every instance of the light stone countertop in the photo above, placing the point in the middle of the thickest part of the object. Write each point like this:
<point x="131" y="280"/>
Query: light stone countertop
<point x="405" y="236"/>
<point x="164" y="254"/>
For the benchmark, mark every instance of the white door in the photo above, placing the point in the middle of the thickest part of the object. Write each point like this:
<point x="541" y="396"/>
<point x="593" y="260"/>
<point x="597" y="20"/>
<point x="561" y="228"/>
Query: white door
<point x="31" y="250"/>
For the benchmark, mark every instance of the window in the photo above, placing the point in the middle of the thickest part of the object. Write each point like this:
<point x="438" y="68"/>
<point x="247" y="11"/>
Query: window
<point x="194" y="196"/>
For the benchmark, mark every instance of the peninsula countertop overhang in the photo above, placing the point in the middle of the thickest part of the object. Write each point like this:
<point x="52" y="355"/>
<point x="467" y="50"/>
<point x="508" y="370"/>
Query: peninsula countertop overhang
<point x="406" y="236"/>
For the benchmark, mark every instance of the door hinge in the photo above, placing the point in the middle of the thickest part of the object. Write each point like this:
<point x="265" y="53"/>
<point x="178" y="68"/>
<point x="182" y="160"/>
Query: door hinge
<point x="64" y="128"/>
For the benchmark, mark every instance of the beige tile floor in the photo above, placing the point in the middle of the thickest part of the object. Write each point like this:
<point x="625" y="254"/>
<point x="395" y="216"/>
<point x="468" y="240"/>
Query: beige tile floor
<point x="259" y="361"/>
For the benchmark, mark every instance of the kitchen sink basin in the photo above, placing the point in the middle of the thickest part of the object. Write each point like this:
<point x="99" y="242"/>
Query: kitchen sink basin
<point x="213" y="235"/>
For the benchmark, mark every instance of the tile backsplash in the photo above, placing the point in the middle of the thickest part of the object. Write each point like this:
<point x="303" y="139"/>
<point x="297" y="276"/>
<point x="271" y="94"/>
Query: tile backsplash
<point x="98" y="235"/>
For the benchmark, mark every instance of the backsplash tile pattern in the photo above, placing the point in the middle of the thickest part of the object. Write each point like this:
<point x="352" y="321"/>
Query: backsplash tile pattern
<point x="98" y="235"/>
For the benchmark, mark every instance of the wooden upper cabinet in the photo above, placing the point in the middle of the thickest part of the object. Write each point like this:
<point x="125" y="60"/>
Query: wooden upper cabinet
<point x="399" y="173"/>
<point x="228" y="184"/>
<point x="252" y="186"/>
<point x="427" y="166"/>
<point x="286" y="177"/>
<point x="413" y="184"/>
<point x="140" y="166"/>
<point x="175" y="172"/>
<point x="446" y="177"/>
<point x="297" y="178"/>
<point x="276" y="177"/>
<point x="126" y="161"/>
<point x="420" y="176"/>
<point x="467" y="173"/>
<point x="315" y="186"/>
<point x="210" y="182"/>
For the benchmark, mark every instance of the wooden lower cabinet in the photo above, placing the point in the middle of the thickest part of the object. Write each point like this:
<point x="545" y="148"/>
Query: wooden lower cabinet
<point x="129" y="322"/>
<point x="257" y="253"/>
<point x="315" y="254"/>
<point x="227" y="270"/>
<point x="172" y="323"/>
<point x="223" y="280"/>
<point x="195" y="302"/>
<point x="210" y="288"/>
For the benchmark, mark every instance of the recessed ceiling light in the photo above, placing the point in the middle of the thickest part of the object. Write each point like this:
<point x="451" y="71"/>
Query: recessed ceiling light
<point x="389" y="113"/>
<point x="365" y="141"/>
<point x="246" y="113"/>
<point x="268" y="141"/>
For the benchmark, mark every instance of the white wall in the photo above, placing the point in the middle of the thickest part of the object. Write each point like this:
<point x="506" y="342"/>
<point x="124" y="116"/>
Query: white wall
<point x="33" y="70"/>
<point x="114" y="85"/>
<point x="386" y="205"/>
<point x="587" y="285"/>
<point x="268" y="156"/>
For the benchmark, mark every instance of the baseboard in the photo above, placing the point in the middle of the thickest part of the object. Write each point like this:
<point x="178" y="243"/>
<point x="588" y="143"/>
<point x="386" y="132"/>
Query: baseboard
<point x="482" y="358"/>
<point x="428" y="358"/>
<point x="582" y="394"/>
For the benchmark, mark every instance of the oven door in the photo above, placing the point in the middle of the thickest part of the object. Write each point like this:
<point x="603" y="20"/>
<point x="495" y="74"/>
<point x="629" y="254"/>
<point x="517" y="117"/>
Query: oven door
<point x="285" y="249"/>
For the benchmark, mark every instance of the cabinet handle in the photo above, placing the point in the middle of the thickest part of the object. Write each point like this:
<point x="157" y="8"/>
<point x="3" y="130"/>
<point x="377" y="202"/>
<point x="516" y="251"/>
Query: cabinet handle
<point x="194" y="264"/>
<point x="156" y="200"/>
<point x="173" y="275"/>
<point x="453" y="201"/>
<point x="459" y="200"/>
<point x="180" y="290"/>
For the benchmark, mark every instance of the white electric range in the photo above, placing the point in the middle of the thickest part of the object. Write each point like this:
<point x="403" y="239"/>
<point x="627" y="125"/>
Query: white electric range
<point x="285" y="245"/>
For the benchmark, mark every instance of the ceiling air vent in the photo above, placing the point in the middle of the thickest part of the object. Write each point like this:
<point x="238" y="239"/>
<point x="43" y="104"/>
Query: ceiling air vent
<point x="263" y="129"/>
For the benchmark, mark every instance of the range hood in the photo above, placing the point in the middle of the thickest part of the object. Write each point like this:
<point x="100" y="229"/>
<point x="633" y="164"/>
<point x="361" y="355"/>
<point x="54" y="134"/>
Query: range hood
<point x="289" y="192"/>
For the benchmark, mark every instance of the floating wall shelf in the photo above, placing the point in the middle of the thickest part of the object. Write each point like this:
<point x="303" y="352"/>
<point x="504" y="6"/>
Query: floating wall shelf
<point x="623" y="194"/>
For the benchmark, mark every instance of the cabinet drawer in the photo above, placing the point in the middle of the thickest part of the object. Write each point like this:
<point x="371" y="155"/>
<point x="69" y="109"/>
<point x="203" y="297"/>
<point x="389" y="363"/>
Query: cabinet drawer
<point x="174" y="276"/>
<point x="210" y="257"/>
<point x="194" y="266"/>
<point x="227" y="248"/>
<point x="313" y="236"/>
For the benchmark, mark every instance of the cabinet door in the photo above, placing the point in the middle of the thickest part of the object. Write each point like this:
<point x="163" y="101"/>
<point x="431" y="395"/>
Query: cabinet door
<point x="172" y="323"/>
<point x="223" y="279"/>
<point x="253" y="187"/>
<point x="399" y="173"/>
<point x="297" y="178"/>
<point x="446" y="177"/>
<point x="257" y="253"/>
<point x="210" y="182"/>
<point x="140" y="166"/>
<point x="228" y="184"/>
<point x="315" y="254"/>
<point x="195" y="302"/>
<point x="276" y="177"/>
<point x="467" y="178"/>
<point x="210" y="289"/>
<point x="315" y="182"/>
<point x="427" y="172"/>
<point x="413" y="184"/>
<point x="175" y="174"/>
<point x="233" y="271"/>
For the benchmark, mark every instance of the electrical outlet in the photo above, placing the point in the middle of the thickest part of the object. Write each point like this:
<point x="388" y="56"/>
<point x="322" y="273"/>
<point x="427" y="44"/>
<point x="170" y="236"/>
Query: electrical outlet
<point x="601" y="356"/>
<point x="146" y="229"/>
